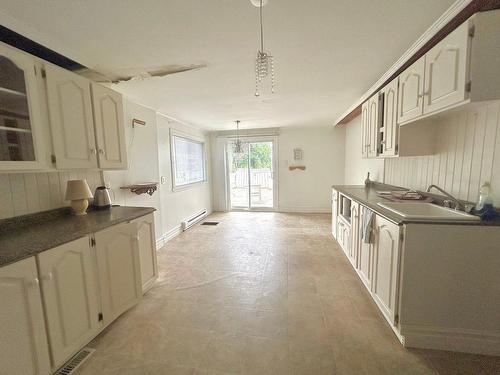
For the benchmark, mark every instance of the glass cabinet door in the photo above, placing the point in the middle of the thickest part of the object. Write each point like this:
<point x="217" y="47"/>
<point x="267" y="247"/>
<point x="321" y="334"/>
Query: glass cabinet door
<point x="18" y="109"/>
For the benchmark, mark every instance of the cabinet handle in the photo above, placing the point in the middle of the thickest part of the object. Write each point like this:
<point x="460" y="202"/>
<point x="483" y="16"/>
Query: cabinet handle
<point x="101" y="151"/>
<point x="93" y="151"/>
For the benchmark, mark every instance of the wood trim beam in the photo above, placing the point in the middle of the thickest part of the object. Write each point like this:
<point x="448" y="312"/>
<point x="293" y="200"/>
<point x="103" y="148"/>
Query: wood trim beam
<point x="469" y="10"/>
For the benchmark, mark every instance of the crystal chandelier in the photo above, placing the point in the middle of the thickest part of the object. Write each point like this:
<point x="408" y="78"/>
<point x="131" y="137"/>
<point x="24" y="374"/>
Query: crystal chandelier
<point x="264" y="63"/>
<point x="238" y="147"/>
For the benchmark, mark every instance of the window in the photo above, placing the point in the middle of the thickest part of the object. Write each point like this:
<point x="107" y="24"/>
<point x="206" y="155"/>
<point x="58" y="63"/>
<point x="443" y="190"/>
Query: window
<point x="188" y="160"/>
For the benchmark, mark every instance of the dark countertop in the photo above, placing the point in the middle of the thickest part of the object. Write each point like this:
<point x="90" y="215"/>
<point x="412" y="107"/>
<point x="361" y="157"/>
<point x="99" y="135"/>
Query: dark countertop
<point x="368" y="197"/>
<point x="24" y="236"/>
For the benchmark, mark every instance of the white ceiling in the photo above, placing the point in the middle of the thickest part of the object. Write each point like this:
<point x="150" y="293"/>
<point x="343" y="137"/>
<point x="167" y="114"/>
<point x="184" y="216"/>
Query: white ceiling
<point x="327" y="52"/>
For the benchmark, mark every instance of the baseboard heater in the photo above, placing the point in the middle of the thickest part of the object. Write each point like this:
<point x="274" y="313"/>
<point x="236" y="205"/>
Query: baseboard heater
<point x="192" y="220"/>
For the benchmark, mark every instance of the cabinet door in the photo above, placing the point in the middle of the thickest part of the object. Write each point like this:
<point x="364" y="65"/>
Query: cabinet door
<point x="335" y="209"/>
<point x="385" y="266"/>
<point x="365" y="256"/>
<point x="69" y="288"/>
<point x="390" y="119"/>
<point x="21" y="142"/>
<point x="446" y="71"/>
<point x="354" y="234"/>
<point x="70" y="110"/>
<point x="365" y="129"/>
<point x="109" y="126"/>
<point x="147" y="250"/>
<point x="119" y="269"/>
<point x="23" y="344"/>
<point x="373" y="125"/>
<point x="411" y="90"/>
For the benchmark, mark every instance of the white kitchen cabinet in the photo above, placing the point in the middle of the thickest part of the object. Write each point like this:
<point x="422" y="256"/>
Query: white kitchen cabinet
<point x="109" y="127"/>
<point x="411" y="92"/>
<point x="335" y="210"/>
<point x="365" y="254"/>
<point x="147" y="250"/>
<point x="23" y="345"/>
<point x="446" y="71"/>
<point x="343" y="235"/>
<point x="119" y="269"/>
<point x="365" y="129"/>
<point x="68" y="278"/>
<point x="374" y="115"/>
<point x="386" y="266"/>
<point x="22" y="143"/>
<point x="354" y="234"/>
<point x="389" y="132"/>
<point x="70" y="110"/>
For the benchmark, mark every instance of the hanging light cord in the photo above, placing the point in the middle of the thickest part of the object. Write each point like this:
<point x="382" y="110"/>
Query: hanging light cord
<point x="261" y="29"/>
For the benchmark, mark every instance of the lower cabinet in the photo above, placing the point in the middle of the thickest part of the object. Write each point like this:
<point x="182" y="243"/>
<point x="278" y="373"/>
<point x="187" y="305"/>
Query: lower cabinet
<point x="365" y="255"/>
<point x="147" y="250"/>
<point x="343" y="235"/>
<point x="385" y="266"/>
<point x="354" y="234"/>
<point x="23" y="345"/>
<point x="335" y="210"/>
<point x="68" y="280"/>
<point x="119" y="269"/>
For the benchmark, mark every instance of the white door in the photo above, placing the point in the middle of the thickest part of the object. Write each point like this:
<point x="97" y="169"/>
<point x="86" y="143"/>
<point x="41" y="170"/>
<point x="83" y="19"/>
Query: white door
<point x="119" y="269"/>
<point x="23" y="343"/>
<point x="374" y="125"/>
<point x="354" y="234"/>
<point x="390" y="119"/>
<point x="335" y="209"/>
<point x="385" y="266"/>
<point x="109" y="127"/>
<point x="70" y="110"/>
<point x="411" y="91"/>
<point x="365" y="256"/>
<point x="365" y="129"/>
<point x="68" y="277"/>
<point x="21" y="139"/>
<point x="446" y="71"/>
<point x="147" y="250"/>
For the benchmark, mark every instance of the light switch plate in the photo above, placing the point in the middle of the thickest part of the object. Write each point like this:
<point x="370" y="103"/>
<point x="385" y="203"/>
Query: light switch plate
<point x="163" y="180"/>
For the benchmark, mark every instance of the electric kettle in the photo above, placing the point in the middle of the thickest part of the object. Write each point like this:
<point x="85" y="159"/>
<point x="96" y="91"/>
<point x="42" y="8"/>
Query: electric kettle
<point x="102" y="199"/>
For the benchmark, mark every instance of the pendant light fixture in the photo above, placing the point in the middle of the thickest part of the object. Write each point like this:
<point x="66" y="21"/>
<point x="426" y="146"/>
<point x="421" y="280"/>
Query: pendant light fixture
<point x="238" y="147"/>
<point x="264" y="63"/>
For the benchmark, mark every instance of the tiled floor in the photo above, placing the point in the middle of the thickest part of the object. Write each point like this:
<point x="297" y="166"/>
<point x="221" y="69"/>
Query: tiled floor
<point x="262" y="293"/>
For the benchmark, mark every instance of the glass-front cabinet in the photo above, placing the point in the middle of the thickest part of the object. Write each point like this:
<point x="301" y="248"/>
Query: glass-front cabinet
<point x="20" y="120"/>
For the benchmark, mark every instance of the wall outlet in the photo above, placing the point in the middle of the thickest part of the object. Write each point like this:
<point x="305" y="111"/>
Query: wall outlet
<point x="163" y="180"/>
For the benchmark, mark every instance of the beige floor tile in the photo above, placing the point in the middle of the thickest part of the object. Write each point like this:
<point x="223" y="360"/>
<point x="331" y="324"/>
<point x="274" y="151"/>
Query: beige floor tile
<point x="224" y="354"/>
<point x="266" y="356"/>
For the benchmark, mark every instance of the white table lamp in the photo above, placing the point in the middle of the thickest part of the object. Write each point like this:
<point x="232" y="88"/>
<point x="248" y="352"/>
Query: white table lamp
<point x="78" y="192"/>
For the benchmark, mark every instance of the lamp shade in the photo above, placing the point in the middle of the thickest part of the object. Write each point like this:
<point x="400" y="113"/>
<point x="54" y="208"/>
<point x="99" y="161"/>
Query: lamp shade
<point x="77" y="189"/>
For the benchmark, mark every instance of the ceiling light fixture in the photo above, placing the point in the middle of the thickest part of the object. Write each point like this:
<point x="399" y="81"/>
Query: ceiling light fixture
<point x="238" y="147"/>
<point x="264" y="63"/>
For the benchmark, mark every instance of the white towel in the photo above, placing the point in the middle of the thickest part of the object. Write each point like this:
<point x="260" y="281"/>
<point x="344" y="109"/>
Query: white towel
<point x="367" y="225"/>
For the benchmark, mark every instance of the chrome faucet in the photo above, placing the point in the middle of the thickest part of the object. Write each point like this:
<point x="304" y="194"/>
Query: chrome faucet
<point x="458" y="205"/>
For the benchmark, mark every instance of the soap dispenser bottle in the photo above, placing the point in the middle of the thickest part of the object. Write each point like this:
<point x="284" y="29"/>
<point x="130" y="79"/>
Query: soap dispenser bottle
<point x="484" y="207"/>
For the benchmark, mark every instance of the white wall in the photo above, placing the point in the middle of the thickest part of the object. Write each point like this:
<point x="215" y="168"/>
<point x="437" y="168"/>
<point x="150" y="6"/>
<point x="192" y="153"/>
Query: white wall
<point x="142" y="155"/>
<point x="323" y="156"/>
<point x="356" y="168"/>
<point x="299" y="191"/>
<point x="179" y="205"/>
<point x="467" y="155"/>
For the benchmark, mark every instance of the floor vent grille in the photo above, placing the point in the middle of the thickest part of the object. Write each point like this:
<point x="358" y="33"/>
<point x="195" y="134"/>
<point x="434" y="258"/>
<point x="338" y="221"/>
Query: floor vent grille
<point x="76" y="361"/>
<point x="210" y="223"/>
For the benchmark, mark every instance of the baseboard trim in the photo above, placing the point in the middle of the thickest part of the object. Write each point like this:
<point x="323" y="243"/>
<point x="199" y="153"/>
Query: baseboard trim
<point x="304" y="210"/>
<point x="160" y="242"/>
<point x="470" y="341"/>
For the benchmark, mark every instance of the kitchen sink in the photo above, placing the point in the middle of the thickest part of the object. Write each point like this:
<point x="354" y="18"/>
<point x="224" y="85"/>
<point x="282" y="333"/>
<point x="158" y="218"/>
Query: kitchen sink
<point x="426" y="211"/>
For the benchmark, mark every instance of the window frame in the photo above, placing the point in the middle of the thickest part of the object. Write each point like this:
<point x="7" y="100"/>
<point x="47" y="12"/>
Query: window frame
<point x="192" y="138"/>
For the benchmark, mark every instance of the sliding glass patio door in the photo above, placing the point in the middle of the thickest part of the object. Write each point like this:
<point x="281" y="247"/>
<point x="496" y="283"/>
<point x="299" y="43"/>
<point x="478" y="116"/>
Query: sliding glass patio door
<point x="252" y="184"/>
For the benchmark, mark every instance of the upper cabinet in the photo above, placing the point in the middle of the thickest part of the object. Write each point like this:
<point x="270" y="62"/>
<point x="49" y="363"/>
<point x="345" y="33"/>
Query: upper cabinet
<point x="389" y="131"/>
<point x="110" y="131"/>
<point x="70" y="110"/>
<point x="21" y="142"/>
<point x="411" y="91"/>
<point x="371" y="119"/>
<point x="86" y="119"/>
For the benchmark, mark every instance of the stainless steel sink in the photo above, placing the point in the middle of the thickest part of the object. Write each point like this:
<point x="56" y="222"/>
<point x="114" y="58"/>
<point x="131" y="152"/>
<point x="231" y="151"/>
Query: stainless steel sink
<point x="426" y="211"/>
